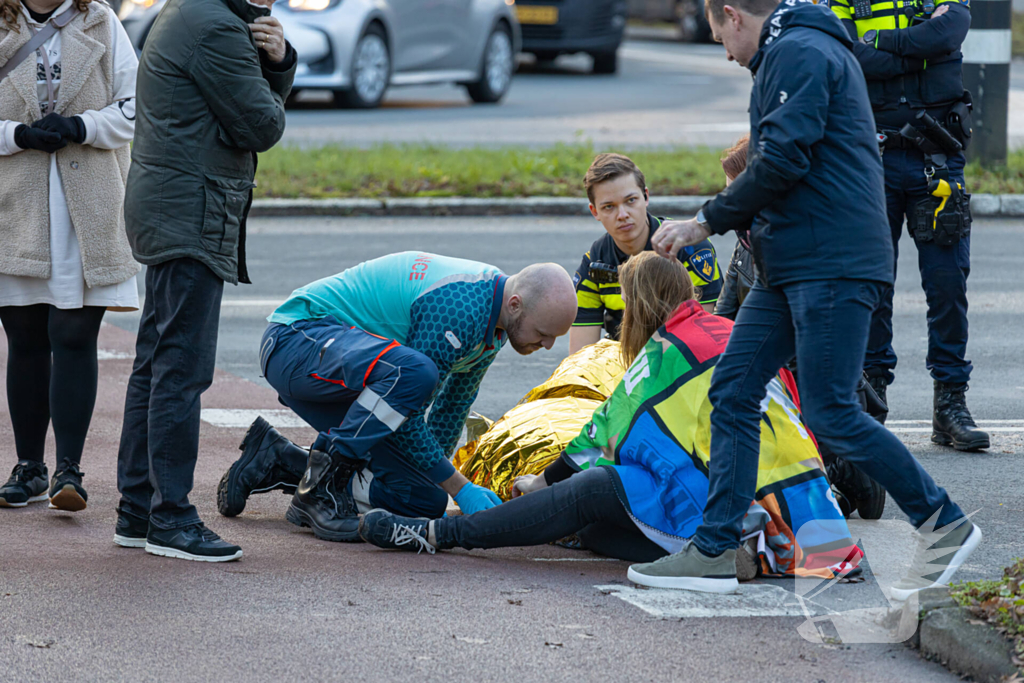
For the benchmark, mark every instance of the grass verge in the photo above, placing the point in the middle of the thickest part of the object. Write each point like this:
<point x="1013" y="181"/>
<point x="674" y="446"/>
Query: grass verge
<point x="1017" y="30"/>
<point x="1000" y="603"/>
<point x="439" y="171"/>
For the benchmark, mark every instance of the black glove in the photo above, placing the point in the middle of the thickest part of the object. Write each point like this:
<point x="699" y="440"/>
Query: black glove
<point x="70" y="129"/>
<point x="37" y="138"/>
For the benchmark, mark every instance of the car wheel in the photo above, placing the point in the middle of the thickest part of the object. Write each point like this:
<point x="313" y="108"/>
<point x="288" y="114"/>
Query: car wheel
<point x="371" y="71"/>
<point x="496" y="69"/>
<point x="693" y="25"/>
<point x="605" y="62"/>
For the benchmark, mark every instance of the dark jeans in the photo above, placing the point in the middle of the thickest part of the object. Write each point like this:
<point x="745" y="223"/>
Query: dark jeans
<point x="51" y="376"/>
<point x="825" y="323"/>
<point x="175" y="357"/>
<point x="586" y="504"/>
<point x="944" y="272"/>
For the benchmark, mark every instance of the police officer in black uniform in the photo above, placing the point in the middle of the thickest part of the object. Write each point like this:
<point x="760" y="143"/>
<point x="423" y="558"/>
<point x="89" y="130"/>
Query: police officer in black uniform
<point x="618" y="197"/>
<point x="909" y="51"/>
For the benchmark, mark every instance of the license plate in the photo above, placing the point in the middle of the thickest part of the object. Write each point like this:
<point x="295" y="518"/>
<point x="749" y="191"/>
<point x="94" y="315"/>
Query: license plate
<point x="537" y="14"/>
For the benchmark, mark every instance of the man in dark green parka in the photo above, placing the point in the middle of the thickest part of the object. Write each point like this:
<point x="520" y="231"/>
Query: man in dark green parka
<point x="212" y="82"/>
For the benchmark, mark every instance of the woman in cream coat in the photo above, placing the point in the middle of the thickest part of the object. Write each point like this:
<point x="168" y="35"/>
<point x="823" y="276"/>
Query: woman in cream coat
<point x="67" y="116"/>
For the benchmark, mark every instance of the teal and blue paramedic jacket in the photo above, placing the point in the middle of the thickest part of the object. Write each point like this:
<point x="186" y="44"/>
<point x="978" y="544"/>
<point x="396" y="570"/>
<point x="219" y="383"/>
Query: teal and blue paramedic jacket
<point x="445" y="308"/>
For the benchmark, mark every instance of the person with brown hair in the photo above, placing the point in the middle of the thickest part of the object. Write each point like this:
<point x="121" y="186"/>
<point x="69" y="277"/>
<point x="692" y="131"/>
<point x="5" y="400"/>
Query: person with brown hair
<point x="741" y="274"/>
<point x="619" y="197"/>
<point x="632" y="484"/>
<point x="67" y="116"/>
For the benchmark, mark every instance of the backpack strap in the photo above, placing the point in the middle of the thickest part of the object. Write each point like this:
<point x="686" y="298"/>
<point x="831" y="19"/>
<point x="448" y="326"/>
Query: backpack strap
<point x="37" y="41"/>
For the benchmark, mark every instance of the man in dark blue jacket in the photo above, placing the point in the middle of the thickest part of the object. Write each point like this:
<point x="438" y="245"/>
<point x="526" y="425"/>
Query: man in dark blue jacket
<point x="825" y="255"/>
<point x="912" y="62"/>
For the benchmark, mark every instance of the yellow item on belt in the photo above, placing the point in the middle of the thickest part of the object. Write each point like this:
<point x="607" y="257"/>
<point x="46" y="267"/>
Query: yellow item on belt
<point x="531" y="435"/>
<point x="943" y="191"/>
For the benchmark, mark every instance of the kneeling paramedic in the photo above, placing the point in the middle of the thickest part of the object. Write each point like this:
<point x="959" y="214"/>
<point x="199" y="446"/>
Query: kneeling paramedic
<point x="361" y="356"/>
<point x="913" y="65"/>
<point x="618" y="197"/>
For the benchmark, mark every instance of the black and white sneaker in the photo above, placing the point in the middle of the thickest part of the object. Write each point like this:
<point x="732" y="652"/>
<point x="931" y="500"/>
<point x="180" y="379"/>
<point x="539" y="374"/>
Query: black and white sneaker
<point x="66" y="490"/>
<point x="131" y="531"/>
<point x="28" y="484"/>
<point x="194" y="542"/>
<point x="388" y="530"/>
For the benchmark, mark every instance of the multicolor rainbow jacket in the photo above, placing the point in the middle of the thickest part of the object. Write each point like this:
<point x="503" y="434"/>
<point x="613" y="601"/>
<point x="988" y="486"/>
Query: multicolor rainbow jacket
<point x="655" y="433"/>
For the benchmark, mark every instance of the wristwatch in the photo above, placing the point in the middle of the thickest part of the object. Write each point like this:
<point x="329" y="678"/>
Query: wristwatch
<point x="869" y="37"/>
<point x="701" y="220"/>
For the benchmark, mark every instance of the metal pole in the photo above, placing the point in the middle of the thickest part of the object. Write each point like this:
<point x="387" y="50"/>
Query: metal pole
<point x="987" y="75"/>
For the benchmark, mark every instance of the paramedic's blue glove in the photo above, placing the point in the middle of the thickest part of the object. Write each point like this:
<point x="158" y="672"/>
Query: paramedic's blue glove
<point x="472" y="498"/>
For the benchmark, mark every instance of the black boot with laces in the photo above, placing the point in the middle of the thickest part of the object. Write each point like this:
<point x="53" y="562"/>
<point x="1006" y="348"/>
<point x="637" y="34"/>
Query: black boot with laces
<point x="952" y="424"/>
<point x="66" y="490"/>
<point x="322" y="501"/>
<point x="27" y="484"/>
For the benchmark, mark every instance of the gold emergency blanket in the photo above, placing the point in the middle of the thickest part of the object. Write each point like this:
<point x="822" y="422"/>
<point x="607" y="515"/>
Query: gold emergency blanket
<point x="535" y="432"/>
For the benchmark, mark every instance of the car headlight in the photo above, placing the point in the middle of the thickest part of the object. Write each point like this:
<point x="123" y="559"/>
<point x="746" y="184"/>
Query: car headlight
<point x="311" y="5"/>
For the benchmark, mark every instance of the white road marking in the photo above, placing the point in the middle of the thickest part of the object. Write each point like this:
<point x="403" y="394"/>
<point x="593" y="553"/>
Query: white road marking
<point x="928" y="430"/>
<point x="928" y="422"/>
<point x="752" y="600"/>
<point x="242" y="418"/>
<point x="574" y="559"/>
<point x="107" y="354"/>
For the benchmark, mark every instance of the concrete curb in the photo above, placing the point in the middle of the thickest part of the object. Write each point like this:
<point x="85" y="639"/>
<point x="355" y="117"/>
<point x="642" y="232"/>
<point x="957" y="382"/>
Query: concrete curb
<point x="982" y="206"/>
<point x="946" y="636"/>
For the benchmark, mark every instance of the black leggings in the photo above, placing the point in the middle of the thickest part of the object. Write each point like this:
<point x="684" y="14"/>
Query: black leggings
<point x="586" y="504"/>
<point x="51" y="374"/>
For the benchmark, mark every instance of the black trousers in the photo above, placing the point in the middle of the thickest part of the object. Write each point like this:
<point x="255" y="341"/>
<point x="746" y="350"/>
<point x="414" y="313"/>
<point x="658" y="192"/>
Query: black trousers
<point x="175" y="356"/>
<point x="586" y="504"/>
<point x="51" y="376"/>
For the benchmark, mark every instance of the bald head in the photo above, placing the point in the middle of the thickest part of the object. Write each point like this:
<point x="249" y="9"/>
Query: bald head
<point x="539" y="306"/>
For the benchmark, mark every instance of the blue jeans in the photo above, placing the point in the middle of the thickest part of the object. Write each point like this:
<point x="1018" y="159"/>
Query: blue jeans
<point x="328" y="372"/>
<point x="175" y="357"/>
<point x="825" y="324"/>
<point x="944" y="272"/>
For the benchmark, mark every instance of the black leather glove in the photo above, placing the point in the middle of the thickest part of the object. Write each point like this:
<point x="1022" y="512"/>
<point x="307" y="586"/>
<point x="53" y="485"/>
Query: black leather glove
<point x="39" y="139"/>
<point x="70" y="129"/>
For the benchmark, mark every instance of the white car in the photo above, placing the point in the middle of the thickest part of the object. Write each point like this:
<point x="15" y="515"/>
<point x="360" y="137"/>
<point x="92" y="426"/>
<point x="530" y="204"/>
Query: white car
<point x="358" y="48"/>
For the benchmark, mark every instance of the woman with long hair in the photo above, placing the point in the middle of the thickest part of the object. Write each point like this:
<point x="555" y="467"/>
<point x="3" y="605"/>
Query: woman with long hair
<point x="67" y="116"/>
<point x="634" y="482"/>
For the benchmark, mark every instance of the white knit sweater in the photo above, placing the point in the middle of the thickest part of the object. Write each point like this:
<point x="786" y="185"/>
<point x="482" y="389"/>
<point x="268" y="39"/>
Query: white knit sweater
<point x="109" y="128"/>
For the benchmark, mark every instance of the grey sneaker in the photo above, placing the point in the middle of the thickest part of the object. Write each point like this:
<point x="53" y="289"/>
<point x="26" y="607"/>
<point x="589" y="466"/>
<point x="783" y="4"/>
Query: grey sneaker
<point x="689" y="569"/>
<point x="940" y="553"/>
<point x="28" y="484"/>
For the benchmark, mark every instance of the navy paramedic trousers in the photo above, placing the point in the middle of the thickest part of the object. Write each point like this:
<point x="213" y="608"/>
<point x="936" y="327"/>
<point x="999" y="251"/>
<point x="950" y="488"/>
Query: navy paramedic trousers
<point x="356" y="389"/>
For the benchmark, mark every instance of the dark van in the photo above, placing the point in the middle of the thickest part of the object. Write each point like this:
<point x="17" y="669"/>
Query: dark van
<point x="555" y="27"/>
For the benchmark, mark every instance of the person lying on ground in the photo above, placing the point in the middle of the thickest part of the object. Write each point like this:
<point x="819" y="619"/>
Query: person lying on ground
<point x="361" y="356"/>
<point x="618" y="199"/>
<point x="634" y="482"/>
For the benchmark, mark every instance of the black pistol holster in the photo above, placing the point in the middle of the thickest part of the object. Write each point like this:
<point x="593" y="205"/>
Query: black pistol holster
<point x="944" y="216"/>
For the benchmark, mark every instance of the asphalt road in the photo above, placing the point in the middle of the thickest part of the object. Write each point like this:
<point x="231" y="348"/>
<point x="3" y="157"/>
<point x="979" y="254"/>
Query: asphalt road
<point x="74" y="606"/>
<point x="666" y="93"/>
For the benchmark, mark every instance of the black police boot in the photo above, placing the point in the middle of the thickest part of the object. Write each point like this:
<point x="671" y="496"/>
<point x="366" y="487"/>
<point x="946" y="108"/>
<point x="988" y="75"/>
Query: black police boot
<point x="952" y="424"/>
<point x="855" y="490"/>
<point x="877" y="405"/>
<point x="269" y="462"/>
<point x="322" y="501"/>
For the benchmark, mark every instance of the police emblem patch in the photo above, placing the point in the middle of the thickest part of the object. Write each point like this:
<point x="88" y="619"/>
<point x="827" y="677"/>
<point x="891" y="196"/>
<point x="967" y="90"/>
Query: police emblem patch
<point x="703" y="264"/>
